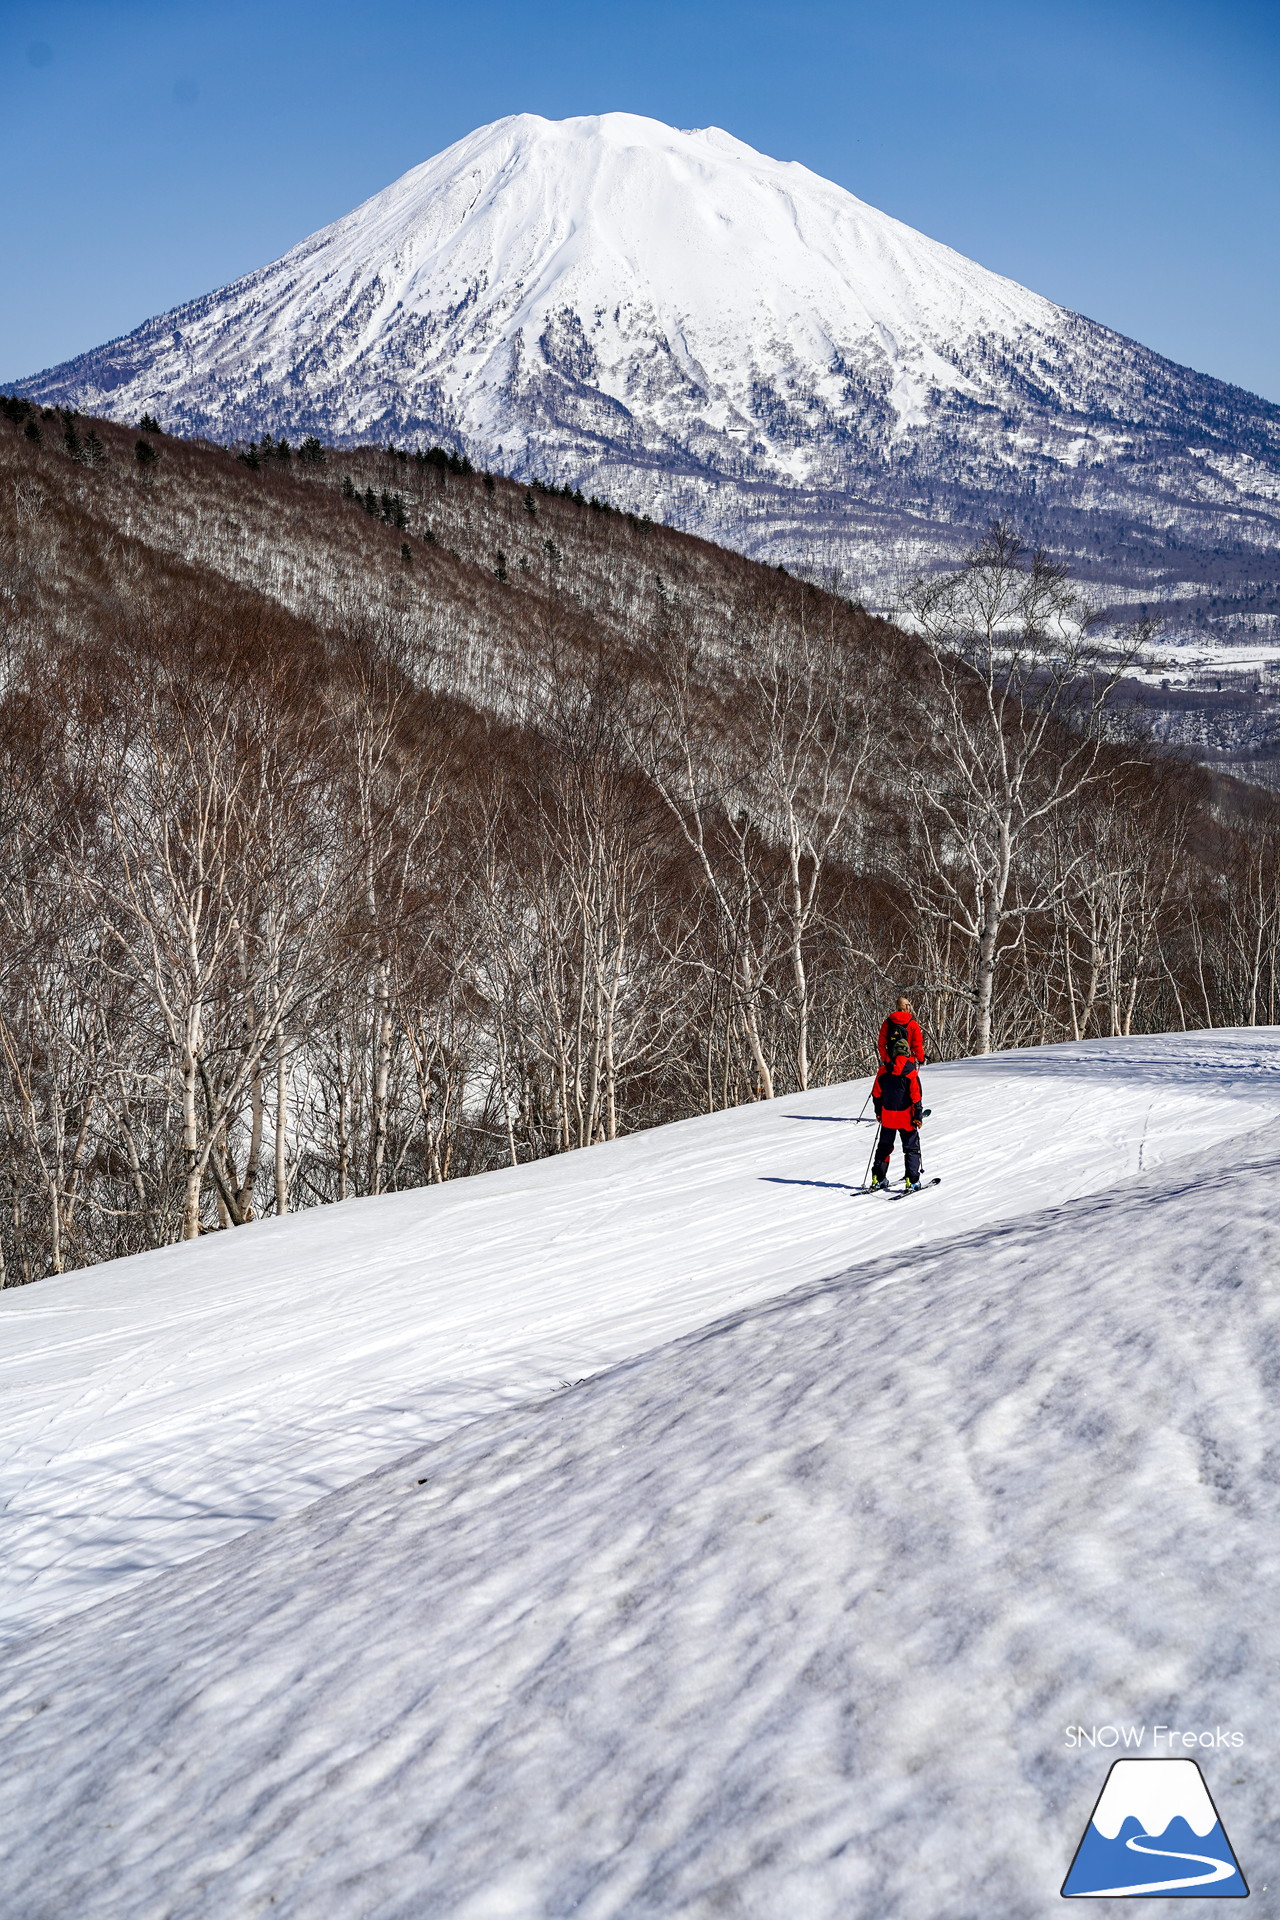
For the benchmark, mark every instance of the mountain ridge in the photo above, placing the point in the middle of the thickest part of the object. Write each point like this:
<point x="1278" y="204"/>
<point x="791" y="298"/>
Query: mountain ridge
<point x="738" y="346"/>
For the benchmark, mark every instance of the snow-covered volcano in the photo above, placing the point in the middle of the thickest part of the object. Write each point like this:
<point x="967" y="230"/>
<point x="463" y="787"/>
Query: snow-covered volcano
<point x="722" y="338"/>
<point x="606" y="272"/>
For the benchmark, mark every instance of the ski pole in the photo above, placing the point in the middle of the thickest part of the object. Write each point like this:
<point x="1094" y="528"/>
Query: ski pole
<point x="870" y="1160"/>
<point x="866" y="1103"/>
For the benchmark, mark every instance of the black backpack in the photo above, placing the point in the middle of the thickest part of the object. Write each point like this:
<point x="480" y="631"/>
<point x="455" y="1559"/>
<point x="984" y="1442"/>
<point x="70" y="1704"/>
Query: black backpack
<point x="896" y="1043"/>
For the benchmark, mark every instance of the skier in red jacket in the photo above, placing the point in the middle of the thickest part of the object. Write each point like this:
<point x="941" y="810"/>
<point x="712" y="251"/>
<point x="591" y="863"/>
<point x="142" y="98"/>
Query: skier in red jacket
<point x="898" y="1102"/>
<point x="902" y="1021"/>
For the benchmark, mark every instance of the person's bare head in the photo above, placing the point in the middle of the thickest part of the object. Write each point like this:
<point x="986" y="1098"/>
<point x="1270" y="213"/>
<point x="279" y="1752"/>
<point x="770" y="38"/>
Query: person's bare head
<point x="904" y="1005"/>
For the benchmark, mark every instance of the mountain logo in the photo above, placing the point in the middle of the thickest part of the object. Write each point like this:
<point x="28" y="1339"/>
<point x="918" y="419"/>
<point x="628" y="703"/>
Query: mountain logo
<point x="1155" y="1830"/>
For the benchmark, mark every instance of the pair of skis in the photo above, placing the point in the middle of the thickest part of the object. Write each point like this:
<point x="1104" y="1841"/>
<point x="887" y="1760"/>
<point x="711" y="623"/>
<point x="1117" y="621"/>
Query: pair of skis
<point x="902" y="1193"/>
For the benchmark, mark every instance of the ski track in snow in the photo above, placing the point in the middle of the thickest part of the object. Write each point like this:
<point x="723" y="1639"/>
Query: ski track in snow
<point x="158" y="1406"/>
<point x="784" y="1617"/>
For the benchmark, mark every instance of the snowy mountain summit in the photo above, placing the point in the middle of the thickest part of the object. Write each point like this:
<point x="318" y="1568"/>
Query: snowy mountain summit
<point x="606" y="271"/>
<point x="723" y="339"/>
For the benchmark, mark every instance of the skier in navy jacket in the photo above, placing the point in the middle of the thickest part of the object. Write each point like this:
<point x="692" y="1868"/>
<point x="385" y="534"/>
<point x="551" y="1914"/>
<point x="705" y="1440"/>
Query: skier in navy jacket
<point x="898" y="1103"/>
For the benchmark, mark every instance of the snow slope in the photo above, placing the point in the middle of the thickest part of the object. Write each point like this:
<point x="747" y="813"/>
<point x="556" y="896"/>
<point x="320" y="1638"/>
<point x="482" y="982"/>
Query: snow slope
<point x="787" y="1616"/>
<point x="154" y="1407"/>
<point x="732" y="342"/>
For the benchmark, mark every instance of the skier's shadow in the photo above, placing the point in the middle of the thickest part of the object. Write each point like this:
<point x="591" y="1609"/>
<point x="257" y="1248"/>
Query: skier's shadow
<point x="837" y="1186"/>
<point x="836" y="1119"/>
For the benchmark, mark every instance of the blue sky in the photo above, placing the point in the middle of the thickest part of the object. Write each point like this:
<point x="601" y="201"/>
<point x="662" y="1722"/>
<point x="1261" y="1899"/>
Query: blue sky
<point x="1122" y="158"/>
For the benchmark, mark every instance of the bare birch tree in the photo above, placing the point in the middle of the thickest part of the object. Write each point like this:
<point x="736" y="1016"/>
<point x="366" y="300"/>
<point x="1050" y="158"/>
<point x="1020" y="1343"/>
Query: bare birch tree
<point x="1007" y="735"/>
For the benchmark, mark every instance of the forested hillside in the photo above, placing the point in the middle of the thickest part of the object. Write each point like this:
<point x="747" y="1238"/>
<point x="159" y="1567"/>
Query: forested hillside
<point x="368" y="821"/>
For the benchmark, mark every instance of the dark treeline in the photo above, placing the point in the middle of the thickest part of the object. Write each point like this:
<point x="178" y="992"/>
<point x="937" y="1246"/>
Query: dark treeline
<point x="351" y="846"/>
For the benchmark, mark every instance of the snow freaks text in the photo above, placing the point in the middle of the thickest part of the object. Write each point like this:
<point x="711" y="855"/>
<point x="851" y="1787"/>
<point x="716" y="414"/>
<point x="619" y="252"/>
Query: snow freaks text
<point x="1163" y="1739"/>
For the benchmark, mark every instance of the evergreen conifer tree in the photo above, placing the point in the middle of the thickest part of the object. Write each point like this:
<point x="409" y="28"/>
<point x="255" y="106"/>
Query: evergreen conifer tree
<point x="144" y="453"/>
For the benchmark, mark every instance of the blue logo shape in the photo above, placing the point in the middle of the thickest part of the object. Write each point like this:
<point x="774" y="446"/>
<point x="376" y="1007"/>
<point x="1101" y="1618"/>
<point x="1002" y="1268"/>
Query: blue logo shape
<point x="1155" y="1831"/>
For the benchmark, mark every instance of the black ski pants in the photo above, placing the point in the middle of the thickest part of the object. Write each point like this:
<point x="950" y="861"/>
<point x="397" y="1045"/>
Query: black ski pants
<point x="910" y="1138"/>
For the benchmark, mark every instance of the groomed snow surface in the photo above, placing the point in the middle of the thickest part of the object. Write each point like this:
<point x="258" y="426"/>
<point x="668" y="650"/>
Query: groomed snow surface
<point x="727" y="1545"/>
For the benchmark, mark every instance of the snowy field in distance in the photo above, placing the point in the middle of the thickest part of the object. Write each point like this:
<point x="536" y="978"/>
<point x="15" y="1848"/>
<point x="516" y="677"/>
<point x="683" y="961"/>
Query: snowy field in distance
<point x="786" y="1616"/>
<point x="1180" y="662"/>
<point x="155" y="1407"/>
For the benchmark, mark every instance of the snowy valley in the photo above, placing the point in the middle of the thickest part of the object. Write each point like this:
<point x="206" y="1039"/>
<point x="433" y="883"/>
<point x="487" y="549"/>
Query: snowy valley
<point x="727" y="1543"/>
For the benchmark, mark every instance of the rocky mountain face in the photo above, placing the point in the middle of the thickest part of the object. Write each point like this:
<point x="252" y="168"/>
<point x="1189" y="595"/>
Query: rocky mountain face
<point x="738" y="346"/>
